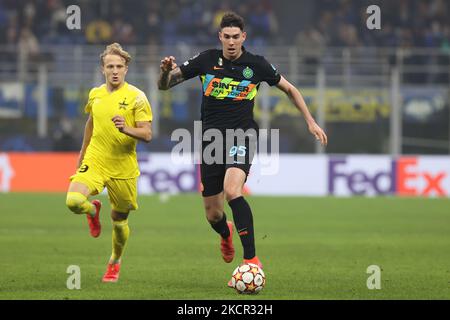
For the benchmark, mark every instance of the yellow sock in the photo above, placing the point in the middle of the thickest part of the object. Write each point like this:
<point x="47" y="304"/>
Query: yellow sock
<point x="79" y="204"/>
<point x="120" y="234"/>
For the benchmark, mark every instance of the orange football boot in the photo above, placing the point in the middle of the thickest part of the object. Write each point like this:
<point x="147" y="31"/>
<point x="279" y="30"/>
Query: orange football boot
<point x="226" y="245"/>
<point x="254" y="260"/>
<point x="94" y="222"/>
<point x="112" y="272"/>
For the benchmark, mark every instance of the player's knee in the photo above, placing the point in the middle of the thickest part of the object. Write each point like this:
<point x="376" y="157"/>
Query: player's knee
<point x="74" y="201"/>
<point x="232" y="192"/>
<point x="213" y="213"/>
<point x="117" y="216"/>
<point x="214" y="217"/>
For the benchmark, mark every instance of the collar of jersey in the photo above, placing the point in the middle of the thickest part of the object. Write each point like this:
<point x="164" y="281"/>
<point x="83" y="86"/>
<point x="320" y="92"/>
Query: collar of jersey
<point x="111" y="93"/>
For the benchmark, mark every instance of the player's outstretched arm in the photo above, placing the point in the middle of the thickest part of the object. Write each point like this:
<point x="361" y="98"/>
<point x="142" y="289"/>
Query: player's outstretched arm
<point x="297" y="99"/>
<point x="142" y="131"/>
<point x="170" y="74"/>
<point x="88" y="128"/>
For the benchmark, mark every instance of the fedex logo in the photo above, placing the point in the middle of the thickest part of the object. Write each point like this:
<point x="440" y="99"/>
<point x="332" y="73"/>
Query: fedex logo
<point x="159" y="175"/>
<point x="405" y="176"/>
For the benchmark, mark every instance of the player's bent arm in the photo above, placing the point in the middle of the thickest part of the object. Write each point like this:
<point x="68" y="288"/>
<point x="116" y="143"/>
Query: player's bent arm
<point x="142" y="131"/>
<point x="169" y="79"/>
<point x="88" y="129"/>
<point x="297" y="99"/>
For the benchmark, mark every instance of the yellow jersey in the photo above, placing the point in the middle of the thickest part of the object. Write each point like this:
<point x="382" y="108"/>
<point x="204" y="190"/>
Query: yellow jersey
<point x="110" y="150"/>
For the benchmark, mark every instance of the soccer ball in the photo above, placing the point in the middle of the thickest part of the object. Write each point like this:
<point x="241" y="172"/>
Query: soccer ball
<point x="248" y="278"/>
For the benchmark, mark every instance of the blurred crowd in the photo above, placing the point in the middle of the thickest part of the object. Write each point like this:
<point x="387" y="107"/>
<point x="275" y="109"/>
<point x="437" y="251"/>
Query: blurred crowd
<point x="164" y="22"/>
<point x="404" y="23"/>
<point x="340" y="23"/>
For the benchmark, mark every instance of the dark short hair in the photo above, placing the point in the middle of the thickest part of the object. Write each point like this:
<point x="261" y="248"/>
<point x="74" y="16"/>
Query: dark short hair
<point x="231" y="19"/>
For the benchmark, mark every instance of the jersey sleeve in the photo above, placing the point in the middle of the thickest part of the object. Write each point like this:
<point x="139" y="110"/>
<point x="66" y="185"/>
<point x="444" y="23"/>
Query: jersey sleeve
<point x="193" y="66"/>
<point x="88" y="106"/>
<point x="143" y="110"/>
<point x="269" y="73"/>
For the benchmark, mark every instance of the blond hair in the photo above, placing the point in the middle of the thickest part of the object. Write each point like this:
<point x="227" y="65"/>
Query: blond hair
<point x="116" y="49"/>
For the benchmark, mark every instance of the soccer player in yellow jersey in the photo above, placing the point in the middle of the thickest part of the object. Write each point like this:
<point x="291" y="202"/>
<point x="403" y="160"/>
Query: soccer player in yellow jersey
<point x="119" y="115"/>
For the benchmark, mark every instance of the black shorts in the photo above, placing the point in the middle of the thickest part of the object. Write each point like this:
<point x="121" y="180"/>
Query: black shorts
<point x="213" y="166"/>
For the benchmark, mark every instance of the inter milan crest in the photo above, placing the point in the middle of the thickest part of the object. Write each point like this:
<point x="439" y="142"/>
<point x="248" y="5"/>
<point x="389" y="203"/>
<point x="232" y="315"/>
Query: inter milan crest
<point x="123" y="104"/>
<point x="247" y="73"/>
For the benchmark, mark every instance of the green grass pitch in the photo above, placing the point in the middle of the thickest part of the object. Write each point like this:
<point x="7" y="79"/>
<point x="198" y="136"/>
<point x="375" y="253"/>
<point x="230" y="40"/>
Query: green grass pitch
<point x="311" y="248"/>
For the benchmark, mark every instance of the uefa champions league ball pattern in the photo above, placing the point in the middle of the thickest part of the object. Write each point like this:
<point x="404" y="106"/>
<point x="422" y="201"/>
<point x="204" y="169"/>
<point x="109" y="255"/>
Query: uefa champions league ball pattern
<point x="248" y="278"/>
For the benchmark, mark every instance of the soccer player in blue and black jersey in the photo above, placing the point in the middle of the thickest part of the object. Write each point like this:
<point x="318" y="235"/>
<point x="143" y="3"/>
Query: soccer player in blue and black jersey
<point x="230" y="79"/>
